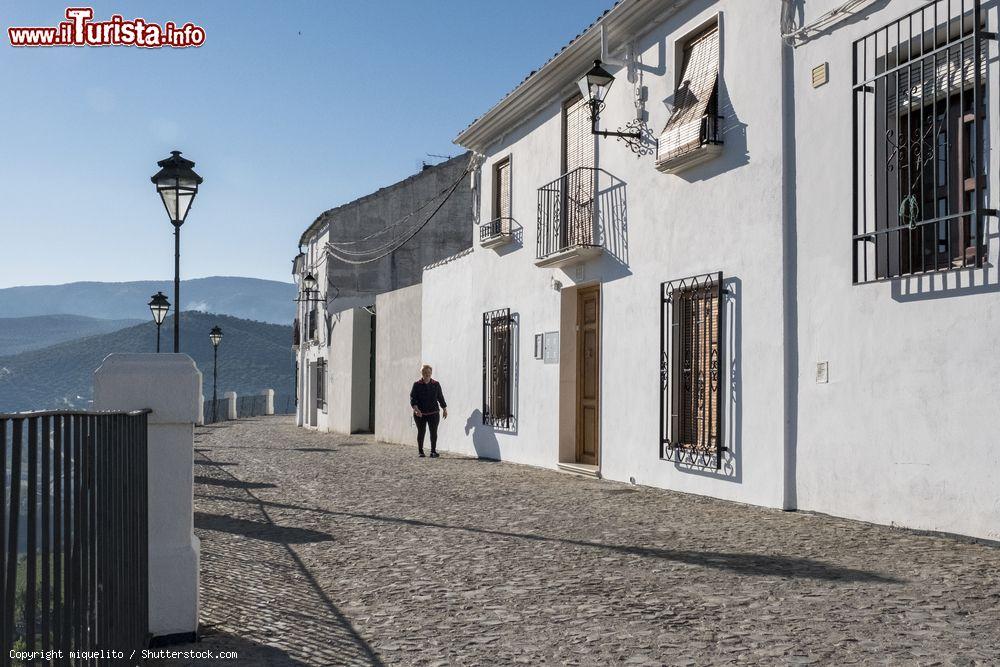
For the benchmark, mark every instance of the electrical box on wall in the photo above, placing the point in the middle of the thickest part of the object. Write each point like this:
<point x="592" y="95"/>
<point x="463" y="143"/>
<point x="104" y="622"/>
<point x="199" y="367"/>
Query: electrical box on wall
<point x="822" y="372"/>
<point x="550" y="346"/>
<point x="820" y="75"/>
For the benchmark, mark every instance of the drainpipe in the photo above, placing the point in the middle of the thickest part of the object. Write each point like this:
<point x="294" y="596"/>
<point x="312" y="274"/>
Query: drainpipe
<point x="789" y="272"/>
<point x="605" y="56"/>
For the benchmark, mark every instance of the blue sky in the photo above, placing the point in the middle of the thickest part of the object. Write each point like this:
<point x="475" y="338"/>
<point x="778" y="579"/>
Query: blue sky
<point x="289" y="108"/>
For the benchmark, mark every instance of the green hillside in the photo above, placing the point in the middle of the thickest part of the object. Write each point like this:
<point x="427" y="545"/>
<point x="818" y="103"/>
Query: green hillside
<point x="252" y="356"/>
<point x="19" y="334"/>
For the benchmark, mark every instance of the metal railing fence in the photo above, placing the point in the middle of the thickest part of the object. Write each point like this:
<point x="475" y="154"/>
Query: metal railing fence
<point x="74" y="533"/>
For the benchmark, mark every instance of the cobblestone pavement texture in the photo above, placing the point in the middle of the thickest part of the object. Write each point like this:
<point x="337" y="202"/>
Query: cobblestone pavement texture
<point x="320" y="549"/>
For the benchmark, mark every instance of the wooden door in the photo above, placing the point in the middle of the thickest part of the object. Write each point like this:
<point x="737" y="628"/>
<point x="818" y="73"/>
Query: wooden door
<point x="588" y="371"/>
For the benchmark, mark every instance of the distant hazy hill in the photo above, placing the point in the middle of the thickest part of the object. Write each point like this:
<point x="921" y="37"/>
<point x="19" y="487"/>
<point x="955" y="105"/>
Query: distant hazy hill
<point x="19" y="334"/>
<point x="249" y="298"/>
<point x="252" y="356"/>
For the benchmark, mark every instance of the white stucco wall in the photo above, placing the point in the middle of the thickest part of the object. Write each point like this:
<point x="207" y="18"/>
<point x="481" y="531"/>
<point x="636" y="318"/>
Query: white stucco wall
<point x="398" y="362"/>
<point x="905" y="430"/>
<point x="724" y="215"/>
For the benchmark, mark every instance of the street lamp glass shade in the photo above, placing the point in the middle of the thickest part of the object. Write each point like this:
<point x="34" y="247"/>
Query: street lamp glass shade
<point x="597" y="82"/>
<point x="309" y="282"/>
<point x="159" y="306"/>
<point x="177" y="184"/>
<point x="216" y="336"/>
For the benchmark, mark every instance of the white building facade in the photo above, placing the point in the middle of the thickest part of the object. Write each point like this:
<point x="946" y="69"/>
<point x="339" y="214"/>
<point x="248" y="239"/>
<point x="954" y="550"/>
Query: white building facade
<point x="784" y="295"/>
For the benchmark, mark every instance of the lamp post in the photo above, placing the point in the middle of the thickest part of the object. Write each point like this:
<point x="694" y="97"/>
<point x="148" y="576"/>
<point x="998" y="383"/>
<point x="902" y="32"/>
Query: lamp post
<point x="158" y="306"/>
<point x="595" y="85"/>
<point x="177" y="185"/>
<point x="215" y="335"/>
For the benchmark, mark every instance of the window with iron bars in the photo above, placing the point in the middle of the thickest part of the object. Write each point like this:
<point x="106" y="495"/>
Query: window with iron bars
<point x="691" y="381"/>
<point x="500" y="225"/>
<point x="312" y="323"/>
<point x="498" y="366"/>
<point x="321" y="384"/>
<point x="919" y="141"/>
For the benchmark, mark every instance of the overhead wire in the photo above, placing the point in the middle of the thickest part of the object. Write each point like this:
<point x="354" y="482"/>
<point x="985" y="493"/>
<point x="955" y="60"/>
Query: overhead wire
<point x="332" y="250"/>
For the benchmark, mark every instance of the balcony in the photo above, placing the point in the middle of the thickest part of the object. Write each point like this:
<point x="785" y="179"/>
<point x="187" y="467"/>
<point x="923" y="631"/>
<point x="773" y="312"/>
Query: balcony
<point x="581" y="215"/>
<point x="499" y="232"/>
<point x="685" y="149"/>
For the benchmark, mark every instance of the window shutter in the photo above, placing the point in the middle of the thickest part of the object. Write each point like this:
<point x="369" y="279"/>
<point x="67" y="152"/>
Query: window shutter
<point x="579" y="138"/>
<point x="700" y="73"/>
<point x="936" y="76"/>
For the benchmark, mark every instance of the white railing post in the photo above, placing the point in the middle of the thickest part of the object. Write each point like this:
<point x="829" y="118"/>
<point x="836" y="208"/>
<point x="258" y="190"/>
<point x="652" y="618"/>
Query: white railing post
<point x="268" y="401"/>
<point x="231" y="398"/>
<point x="170" y="386"/>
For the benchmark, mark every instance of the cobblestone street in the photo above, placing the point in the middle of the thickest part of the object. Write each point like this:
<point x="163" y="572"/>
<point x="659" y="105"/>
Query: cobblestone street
<point x="327" y="550"/>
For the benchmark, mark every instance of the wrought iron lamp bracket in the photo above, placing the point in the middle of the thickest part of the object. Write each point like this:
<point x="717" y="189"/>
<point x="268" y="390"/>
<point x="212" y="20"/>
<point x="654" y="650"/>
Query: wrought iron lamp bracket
<point x="632" y="134"/>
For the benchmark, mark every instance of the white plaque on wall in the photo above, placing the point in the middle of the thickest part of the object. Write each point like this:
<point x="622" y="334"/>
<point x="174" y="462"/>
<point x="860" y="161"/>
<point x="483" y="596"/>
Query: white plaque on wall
<point x="551" y="347"/>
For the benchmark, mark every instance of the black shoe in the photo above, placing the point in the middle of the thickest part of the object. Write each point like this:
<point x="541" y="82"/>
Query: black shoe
<point x="434" y="455"/>
<point x="422" y="453"/>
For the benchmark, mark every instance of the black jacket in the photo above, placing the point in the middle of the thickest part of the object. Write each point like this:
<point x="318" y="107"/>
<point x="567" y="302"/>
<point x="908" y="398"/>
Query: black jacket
<point x="425" y="396"/>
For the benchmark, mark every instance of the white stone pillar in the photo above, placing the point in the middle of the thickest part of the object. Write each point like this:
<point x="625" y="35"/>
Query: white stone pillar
<point x="268" y="401"/>
<point x="231" y="397"/>
<point x="170" y="386"/>
<point x="201" y="410"/>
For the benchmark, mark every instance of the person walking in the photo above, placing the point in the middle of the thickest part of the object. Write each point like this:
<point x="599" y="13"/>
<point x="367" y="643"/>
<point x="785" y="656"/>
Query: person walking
<point x="425" y="397"/>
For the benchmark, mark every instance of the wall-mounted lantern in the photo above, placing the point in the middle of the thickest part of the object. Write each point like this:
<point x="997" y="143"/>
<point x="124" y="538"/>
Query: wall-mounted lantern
<point x="595" y="85"/>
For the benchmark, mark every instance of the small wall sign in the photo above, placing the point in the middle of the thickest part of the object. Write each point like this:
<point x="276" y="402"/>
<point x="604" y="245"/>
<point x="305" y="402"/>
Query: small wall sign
<point x="539" y="345"/>
<point x="551" y="347"/>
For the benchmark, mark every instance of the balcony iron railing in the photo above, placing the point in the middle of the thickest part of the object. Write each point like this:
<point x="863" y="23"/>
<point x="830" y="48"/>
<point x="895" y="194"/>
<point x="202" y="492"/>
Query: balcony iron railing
<point x="74" y="511"/>
<point x="496" y="229"/>
<point x="582" y="208"/>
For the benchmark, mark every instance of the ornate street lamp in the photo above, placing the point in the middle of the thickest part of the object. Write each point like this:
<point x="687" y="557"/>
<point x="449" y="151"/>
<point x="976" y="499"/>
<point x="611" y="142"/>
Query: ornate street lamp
<point x="215" y="335"/>
<point x="159" y="306"/>
<point x="595" y="85"/>
<point x="177" y="184"/>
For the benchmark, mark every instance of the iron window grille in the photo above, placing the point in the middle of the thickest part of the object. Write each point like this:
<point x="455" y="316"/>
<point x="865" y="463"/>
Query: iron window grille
<point x="296" y="333"/>
<point x="919" y="139"/>
<point x="321" y="384"/>
<point x="498" y="365"/>
<point x="691" y="382"/>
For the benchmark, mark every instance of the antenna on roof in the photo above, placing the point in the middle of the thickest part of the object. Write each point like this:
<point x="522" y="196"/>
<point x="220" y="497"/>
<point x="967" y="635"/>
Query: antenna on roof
<point x="424" y="164"/>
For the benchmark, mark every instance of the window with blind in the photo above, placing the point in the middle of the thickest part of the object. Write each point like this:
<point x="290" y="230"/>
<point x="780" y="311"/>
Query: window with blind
<point x="693" y="131"/>
<point x="312" y="323"/>
<point x="498" y="364"/>
<point x="321" y="384"/>
<point x="919" y="109"/>
<point x="691" y="380"/>
<point x="500" y="225"/>
<point x="577" y="184"/>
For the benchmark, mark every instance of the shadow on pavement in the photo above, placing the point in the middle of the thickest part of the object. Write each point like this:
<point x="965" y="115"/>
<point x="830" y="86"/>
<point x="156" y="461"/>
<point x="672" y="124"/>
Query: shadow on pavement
<point x="232" y="483"/>
<point x="741" y="563"/>
<point x="259" y="530"/>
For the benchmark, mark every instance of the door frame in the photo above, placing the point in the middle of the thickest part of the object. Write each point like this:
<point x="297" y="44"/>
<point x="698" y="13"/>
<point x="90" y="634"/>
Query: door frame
<point x="581" y="292"/>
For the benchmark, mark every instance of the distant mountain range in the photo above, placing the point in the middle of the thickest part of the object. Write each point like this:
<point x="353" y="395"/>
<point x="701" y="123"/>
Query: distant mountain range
<point x="252" y="356"/>
<point x="247" y="298"/>
<point x="19" y="334"/>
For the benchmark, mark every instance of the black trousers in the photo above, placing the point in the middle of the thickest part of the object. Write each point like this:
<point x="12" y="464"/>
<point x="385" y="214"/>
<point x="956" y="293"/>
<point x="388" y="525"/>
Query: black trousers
<point x="423" y="423"/>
